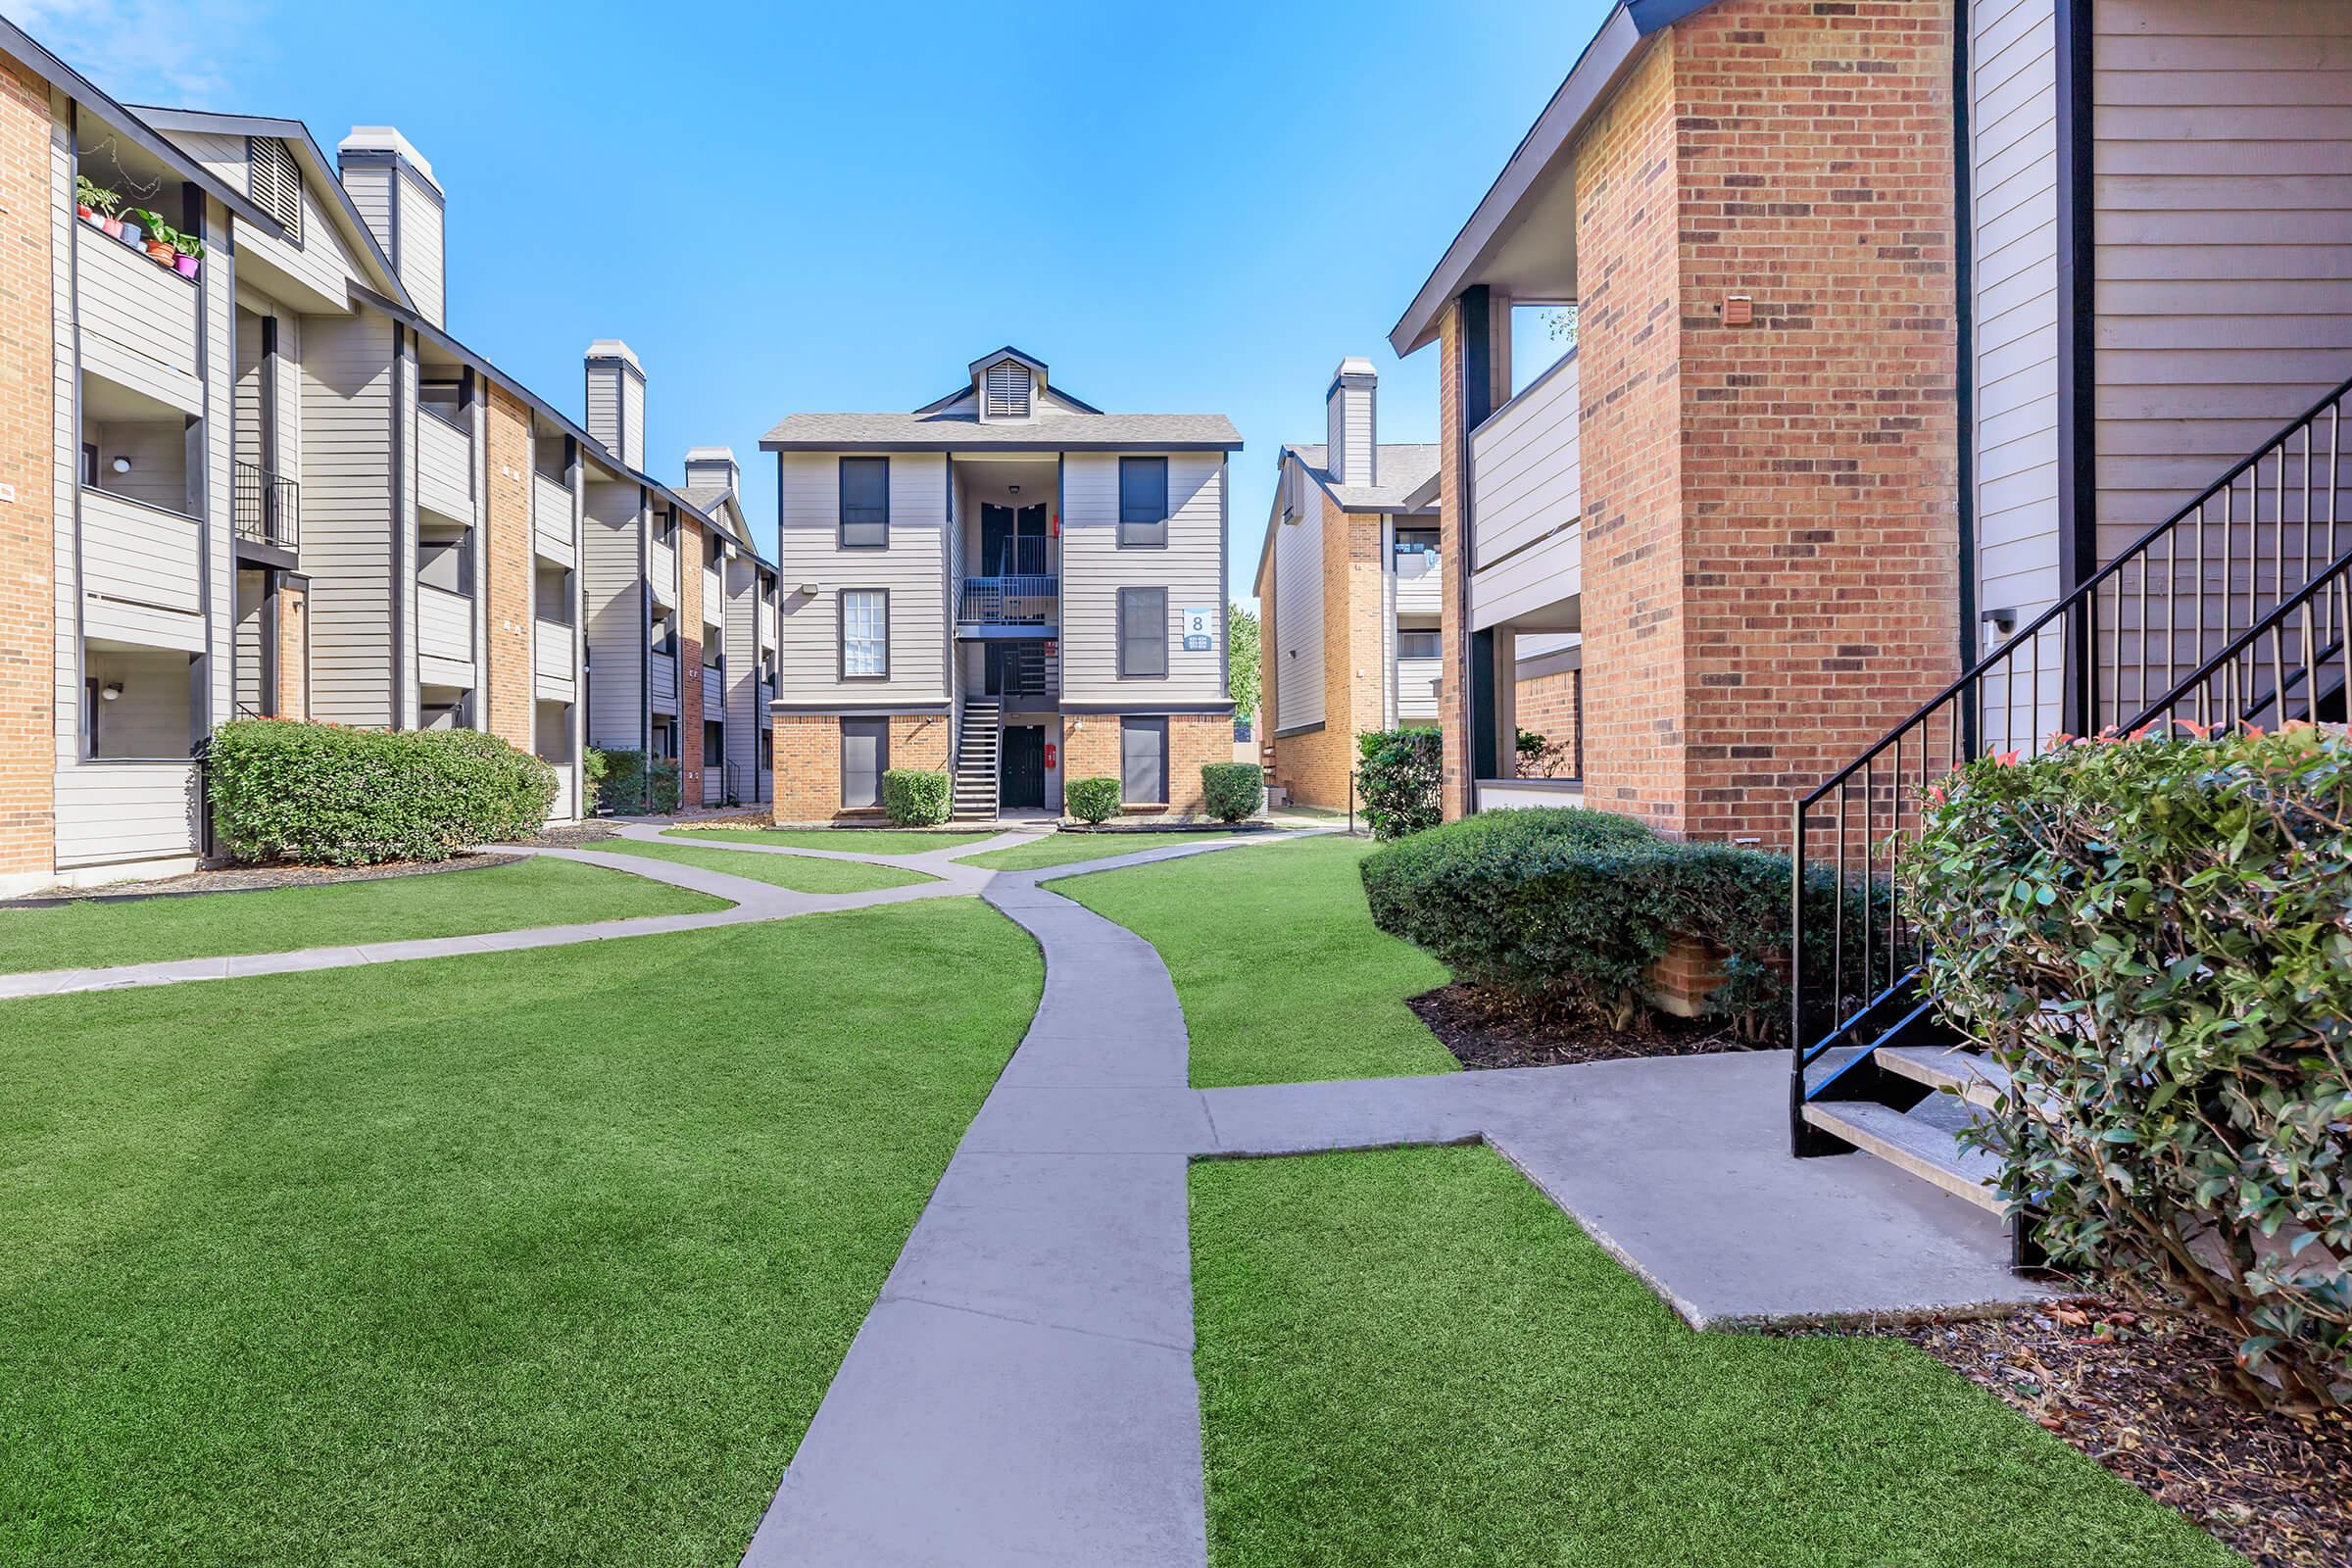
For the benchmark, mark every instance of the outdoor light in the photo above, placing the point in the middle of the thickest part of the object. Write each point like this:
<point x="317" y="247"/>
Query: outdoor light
<point x="807" y="590"/>
<point x="108" y="691"/>
<point x="1013" y="489"/>
<point x="121" y="465"/>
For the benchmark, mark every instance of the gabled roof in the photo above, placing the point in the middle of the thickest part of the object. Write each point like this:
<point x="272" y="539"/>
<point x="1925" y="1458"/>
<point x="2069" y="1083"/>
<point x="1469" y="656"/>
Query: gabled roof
<point x="1405" y="468"/>
<point x="962" y="428"/>
<point x="1008" y="351"/>
<point x="356" y="236"/>
<point x="1499" y="214"/>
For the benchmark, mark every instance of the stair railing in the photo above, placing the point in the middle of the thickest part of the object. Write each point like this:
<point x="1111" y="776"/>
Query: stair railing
<point x="2188" y="598"/>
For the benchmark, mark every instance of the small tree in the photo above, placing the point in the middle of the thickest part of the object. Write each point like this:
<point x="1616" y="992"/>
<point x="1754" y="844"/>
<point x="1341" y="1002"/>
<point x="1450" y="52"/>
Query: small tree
<point x="1240" y="658"/>
<point x="1398" y="776"/>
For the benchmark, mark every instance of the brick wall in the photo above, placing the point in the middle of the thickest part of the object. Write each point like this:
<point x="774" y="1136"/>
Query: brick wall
<point x="293" y="649"/>
<point x="1770" y="546"/>
<point x="507" y="679"/>
<point x="1090" y="749"/>
<point x="1546" y="706"/>
<point x="1315" y="767"/>
<point x="28" y="463"/>
<point x="808" y="760"/>
<point x="1453" y="791"/>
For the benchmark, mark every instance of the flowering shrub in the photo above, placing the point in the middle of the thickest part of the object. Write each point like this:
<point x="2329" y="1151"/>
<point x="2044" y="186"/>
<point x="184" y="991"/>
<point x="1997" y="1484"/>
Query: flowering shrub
<point x="2154" y="936"/>
<point x="324" y="795"/>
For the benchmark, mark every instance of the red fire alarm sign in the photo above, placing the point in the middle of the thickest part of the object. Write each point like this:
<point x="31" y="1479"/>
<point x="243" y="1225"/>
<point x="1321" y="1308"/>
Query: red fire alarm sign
<point x="1049" y="754"/>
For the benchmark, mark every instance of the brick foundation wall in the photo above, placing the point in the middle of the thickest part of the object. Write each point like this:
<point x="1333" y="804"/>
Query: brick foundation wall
<point x="1090" y="749"/>
<point x="808" y="762"/>
<point x="293" y="650"/>
<point x="690" y="665"/>
<point x="1546" y="706"/>
<point x="509" y="676"/>
<point x="1315" y="767"/>
<point x="1770" y="512"/>
<point x="28" y="463"/>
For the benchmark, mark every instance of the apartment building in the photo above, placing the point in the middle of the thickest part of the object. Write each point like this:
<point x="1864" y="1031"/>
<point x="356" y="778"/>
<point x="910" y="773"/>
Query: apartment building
<point x="1005" y="582"/>
<point x="670" y="589"/>
<point x="1348" y="580"/>
<point x="265" y="480"/>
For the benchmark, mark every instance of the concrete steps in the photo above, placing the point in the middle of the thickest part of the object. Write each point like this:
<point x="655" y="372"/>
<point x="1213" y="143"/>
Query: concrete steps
<point x="1922" y="1141"/>
<point x="1979" y="1080"/>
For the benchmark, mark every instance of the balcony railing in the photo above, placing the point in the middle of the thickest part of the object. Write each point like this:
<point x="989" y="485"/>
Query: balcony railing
<point x="268" y="507"/>
<point x="1009" y="601"/>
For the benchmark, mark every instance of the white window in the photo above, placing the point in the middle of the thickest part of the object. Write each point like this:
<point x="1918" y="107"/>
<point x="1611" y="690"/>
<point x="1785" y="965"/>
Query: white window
<point x="865" y="633"/>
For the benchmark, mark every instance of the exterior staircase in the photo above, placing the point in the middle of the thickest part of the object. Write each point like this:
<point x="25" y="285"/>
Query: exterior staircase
<point x="2234" y="612"/>
<point x="977" y="748"/>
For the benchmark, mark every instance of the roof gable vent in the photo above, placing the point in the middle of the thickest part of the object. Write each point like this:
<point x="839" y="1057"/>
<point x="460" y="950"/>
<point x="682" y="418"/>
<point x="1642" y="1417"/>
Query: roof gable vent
<point x="274" y="182"/>
<point x="1004" y="392"/>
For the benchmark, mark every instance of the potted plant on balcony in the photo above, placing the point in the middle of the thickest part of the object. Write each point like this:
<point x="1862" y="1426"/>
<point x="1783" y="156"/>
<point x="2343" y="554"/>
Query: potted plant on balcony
<point x="95" y="205"/>
<point x="129" y="230"/>
<point x="189" y="254"/>
<point x="163" y="240"/>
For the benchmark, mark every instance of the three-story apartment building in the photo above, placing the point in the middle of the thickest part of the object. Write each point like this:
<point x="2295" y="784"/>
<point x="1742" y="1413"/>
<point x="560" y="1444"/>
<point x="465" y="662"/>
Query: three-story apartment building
<point x="1006" y="581"/>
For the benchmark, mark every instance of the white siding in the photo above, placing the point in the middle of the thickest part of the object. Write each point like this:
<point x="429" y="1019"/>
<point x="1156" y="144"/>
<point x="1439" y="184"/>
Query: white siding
<point x="1298" y="631"/>
<point x="117" y="813"/>
<point x="914" y="570"/>
<point x="552" y="662"/>
<point x="1094" y="569"/>
<point x="445" y="629"/>
<point x="319" y="261"/>
<point x="1418" y="583"/>
<point x="2223" y="184"/>
<point x="1416" y="688"/>
<point x="423" y="257"/>
<point x="1527" y="466"/>
<point x="616" y="626"/>
<point x="552" y="519"/>
<point x="741" y="645"/>
<point x="140" y="568"/>
<point x="348" y="533"/>
<point x="139" y="322"/>
<point x="1539" y="585"/>
<point x="2013" y="177"/>
<point x="665" y="683"/>
<point x="445" y="469"/>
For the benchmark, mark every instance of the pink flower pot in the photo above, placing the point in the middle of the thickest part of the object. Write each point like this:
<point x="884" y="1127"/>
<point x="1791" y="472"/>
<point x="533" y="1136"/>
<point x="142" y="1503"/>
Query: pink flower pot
<point x="113" y="227"/>
<point x="184" y="266"/>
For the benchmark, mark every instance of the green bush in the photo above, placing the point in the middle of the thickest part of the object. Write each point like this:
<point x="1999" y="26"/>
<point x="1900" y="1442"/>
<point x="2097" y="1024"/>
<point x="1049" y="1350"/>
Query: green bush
<point x="914" y="797"/>
<point x="595" y="767"/>
<point x="2152" y="936"/>
<point x="1233" y="791"/>
<point x="632" y="787"/>
<point x="324" y="795"/>
<point x="1397" y="775"/>
<point x="1091" y="800"/>
<point x="1568" y="908"/>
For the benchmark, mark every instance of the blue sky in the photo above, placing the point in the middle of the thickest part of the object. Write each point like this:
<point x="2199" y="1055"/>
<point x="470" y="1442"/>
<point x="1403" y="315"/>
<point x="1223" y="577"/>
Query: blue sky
<point x="798" y="207"/>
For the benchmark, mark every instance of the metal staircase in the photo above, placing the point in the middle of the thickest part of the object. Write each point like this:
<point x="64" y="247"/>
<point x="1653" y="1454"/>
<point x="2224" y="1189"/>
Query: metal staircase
<point x="978" y="746"/>
<point x="2233" y="611"/>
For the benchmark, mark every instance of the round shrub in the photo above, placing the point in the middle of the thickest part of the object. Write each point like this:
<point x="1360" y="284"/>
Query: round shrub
<point x="633" y="786"/>
<point x="1091" y="800"/>
<point x="1398" y="773"/>
<point x="324" y="795"/>
<point x="914" y="797"/>
<point x="1233" y="791"/>
<point x="2151" y="935"/>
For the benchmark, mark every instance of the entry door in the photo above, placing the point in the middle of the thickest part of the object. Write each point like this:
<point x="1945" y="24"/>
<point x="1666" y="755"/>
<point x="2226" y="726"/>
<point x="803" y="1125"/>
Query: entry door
<point x="995" y="529"/>
<point x="1021" y="776"/>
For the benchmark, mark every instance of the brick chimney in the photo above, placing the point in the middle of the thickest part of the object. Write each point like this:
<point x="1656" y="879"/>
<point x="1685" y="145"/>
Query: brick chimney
<point x="395" y="191"/>
<point x="616" y="400"/>
<point x="1352" y="426"/>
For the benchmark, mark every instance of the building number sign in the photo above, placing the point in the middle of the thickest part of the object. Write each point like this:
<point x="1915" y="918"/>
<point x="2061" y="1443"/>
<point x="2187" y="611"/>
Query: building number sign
<point x="1199" y="629"/>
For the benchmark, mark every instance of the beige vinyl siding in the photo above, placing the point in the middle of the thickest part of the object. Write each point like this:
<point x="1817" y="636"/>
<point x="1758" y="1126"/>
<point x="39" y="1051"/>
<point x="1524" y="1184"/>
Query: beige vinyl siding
<point x="2222" y="185"/>
<point x="253" y="656"/>
<point x="369" y="187"/>
<point x="1298" y="630"/>
<point x="138" y="322"/>
<point x="142" y="571"/>
<point x="615" y="611"/>
<point x="347" y="524"/>
<point x="217" y="279"/>
<point x="407" y="698"/>
<point x="741" y="644"/>
<point x="321" y="263"/>
<point x="2013" y="157"/>
<point x="1528" y="465"/>
<point x="553" y="524"/>
<point x="914" y="570"/>
<point x="1094" y="569"/>
<point x="422" y="261"/>
<point x="445" y="465"/>
<point x="250" y="413"/>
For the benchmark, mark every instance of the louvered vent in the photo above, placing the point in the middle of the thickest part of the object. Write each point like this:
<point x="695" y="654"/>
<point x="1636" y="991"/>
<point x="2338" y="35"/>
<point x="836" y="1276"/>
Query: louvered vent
<point x="1008" y="391"/>
<point x="274" y="182"/>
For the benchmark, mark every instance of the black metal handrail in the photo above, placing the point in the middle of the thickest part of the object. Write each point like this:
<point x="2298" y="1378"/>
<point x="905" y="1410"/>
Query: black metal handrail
<point x="267" y="507"/>
<point x="1007" y="600"/>
<point x="2182" y="596"/>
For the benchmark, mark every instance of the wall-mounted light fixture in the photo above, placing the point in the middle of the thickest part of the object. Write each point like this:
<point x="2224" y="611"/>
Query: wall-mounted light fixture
<point x="110" y="692"/>
<point x="121" y="464"/>
<point x="807" y="590"/>
<point x="1012" y="489"/>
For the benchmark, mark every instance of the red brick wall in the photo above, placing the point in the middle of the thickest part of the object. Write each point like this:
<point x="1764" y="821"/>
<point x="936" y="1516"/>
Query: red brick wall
<point x="28" y="461"/>
<point x="1090" y="749"/>
<point x="690" y="665"/>
<point x="808" y="760"/>
<point x="1771" y="546"/>
<point x="508" y="680"/>
<point x="1546" y="706"/>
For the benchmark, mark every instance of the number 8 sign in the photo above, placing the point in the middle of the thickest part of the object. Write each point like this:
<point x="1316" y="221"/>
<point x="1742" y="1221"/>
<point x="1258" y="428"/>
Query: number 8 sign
<point x="1199" y="629"/>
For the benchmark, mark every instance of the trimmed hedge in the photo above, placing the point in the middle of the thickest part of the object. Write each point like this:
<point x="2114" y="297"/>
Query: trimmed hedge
<point x="2151" y="935"/>
<point x="914" y="797"/>
<point x="632" y="788"/>
<point x="1091" y="800"/>
<point x="1397" y="775"/>
<point x="1568" y="908"/>
<point x="324" y="795"/>
<point x="1233" y="791"/>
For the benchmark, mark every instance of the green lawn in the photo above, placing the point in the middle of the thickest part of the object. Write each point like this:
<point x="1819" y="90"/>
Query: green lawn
<point x="1066" y="849"/>
<point x="853" y="840"/>
<point x="1283" y="976"/>
<point x="1412" y="1357"/>
<point x="539" y="891"/>
<point x="802" y="873"/>
<point x="518" y="1258"/>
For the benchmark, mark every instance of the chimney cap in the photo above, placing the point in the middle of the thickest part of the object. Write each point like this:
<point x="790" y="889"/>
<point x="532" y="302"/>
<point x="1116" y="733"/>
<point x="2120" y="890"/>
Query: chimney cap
<point x="613" y="348"/>
<point x="388" y="139"/>
<point x="1354" y="364"/>
<point x="709" y="454"/>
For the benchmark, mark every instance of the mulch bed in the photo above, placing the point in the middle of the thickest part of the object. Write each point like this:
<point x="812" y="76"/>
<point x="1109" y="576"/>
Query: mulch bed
<point x="2145" y="1399"/>
<point x="1485" y="1028"/>
<point x="576" y="835"/>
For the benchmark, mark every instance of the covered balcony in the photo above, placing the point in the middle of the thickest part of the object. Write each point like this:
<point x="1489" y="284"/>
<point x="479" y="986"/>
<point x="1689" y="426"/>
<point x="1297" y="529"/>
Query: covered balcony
<point x="554" y="525"/>
<point x="137" y="314"/>
<point x="445" y="465"/>
<point x="445" y="611"/>
<point x="141" y="577"/>
<point x="1008" y="546"/>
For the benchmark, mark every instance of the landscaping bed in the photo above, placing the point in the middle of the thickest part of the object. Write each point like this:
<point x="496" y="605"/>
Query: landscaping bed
<point x="2143" y="1399"/>
<point x="1486" y="1027"/>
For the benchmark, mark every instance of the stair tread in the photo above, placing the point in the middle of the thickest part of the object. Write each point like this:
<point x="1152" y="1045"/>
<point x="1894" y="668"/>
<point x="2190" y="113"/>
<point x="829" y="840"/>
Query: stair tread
<point x="1975" y="1078"/>
<point x="1914" y="1143"/>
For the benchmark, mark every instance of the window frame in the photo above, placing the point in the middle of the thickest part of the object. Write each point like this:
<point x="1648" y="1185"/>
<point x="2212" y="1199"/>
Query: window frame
<point x="1132" y="541"/>
<point x="841" y="634"/>
<point x="840" y="503"/>
<point x="881" y="759"/>
<point x="1402" y="632"/>
<point x="1157" y="723"/>
<point x="1119" y="628"/>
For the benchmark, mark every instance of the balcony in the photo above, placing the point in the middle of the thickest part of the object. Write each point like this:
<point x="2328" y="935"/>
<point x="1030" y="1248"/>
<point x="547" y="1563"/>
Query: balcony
<point x="445" y="467"/>
<point x="552" y="531"/>
<point x="665" y="671"/>
<point x="140" y="574"/>
<point x="552" y="662"/>
<point x="662" y="571"/>
<point x="1027" y="604"/>
<point x="768" y="694"/>
<point x="138" y="321"/>
<point x="444" y="637"/>
<point x="267" y="509"/>
<point x="767" y="621"/>
<point x="1526" y="547"/>
<point x="715" y="597"/>
<point x="1417" y="580"/>
<point x="715" y="693"/>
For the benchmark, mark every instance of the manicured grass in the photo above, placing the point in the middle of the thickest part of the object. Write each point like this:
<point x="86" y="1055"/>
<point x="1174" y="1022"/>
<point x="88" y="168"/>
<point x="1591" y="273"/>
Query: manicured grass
<point x="801" y="873"/>
<point x="1412" y="1357"/>
<point x="854" y="840"/>
<point x="518" y="1258"/>
<point x="1283" y="976"/>
<point x="1067" y="849"/>
<point x="538" y="891"/>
